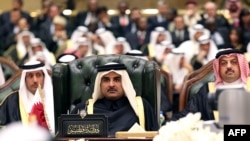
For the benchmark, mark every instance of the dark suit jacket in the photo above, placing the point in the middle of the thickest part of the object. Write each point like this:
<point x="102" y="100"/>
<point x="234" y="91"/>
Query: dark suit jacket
<point x="118" y="29"/>
<point x="8" y="35"/>
<point x="224" y="32"/>
<point x="130" y="27"/>
<point x="246" y="37"/>
<point x="5" y="18"/>
<point x="133" y="40"/>
<point x="7" y="27"/>
<point x="153" y="22"/>
<point x="39" y="21"/>
<point x="9" y="110"/>
<point x="176" y="40"/>
<point x="45" y="35"/>
<point x="220" y="21"/>
<point x="198" y="103"/>
<point x="121" y="116"/>
<point x="114" y="29"/>
<point x="80" y="18"/>
<point x="47" y="38"/>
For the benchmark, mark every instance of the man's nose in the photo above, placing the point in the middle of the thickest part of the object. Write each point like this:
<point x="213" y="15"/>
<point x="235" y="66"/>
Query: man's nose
<point x="111" y="83"/>
<point x="229" y="65"/>
<point x="35" y="79"/>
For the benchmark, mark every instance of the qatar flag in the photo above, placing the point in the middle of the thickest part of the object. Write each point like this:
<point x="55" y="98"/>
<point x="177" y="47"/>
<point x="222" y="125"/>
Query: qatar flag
<point x="37" y="109"/>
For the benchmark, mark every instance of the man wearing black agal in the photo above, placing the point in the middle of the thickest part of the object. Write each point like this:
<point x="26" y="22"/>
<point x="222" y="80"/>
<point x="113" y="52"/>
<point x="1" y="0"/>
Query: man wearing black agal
<point x="115" y="97"/>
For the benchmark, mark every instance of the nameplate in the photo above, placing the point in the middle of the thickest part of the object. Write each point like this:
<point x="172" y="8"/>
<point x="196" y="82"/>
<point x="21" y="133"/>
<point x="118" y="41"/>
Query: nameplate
<point x="74" y="125"/>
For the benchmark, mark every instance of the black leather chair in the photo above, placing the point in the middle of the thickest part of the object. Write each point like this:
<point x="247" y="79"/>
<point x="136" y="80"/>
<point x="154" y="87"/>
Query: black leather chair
<point x="74" y="82"/>
<point x="193" y="82"/>
<point x="167" y="81"/>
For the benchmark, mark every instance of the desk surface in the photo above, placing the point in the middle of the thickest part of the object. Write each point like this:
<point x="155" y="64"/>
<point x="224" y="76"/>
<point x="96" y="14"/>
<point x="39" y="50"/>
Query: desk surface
<point x="104" y="139"/>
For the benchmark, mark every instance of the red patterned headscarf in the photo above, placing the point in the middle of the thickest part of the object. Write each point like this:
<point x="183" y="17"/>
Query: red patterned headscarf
<point x="243" y="64"/>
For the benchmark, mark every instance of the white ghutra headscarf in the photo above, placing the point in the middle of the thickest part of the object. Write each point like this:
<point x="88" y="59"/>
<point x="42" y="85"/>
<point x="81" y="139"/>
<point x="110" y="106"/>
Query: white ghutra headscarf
<point x="27" y="97"/>
<point x="126" y="84"/>
<point x="21" y="49"/>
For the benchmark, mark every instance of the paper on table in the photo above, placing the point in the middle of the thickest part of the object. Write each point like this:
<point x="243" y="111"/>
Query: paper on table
<point x="136" y="131"/>
<point x="136" y="128"/>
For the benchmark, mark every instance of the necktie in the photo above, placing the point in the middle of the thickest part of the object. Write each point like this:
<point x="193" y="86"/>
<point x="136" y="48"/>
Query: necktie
<point x="163" y="19"/>
<point x="180" y="35"/>
<point x="123" y="21"/>
<point x="133" y="29"/>
<point x="141" y="38"/>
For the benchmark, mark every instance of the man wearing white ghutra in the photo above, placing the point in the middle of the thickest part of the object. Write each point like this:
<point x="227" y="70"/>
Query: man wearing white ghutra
<point x="33" y="99"/>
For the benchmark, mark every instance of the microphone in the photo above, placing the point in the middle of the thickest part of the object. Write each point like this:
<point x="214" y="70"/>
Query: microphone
<point x="84" y="112"/>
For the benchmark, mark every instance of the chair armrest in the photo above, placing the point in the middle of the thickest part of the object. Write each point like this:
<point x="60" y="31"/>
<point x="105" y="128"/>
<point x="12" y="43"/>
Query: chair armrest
<point x="60" y="90"/>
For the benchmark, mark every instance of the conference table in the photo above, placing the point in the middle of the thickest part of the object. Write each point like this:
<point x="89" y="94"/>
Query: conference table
<point x="104" y="139"/>
<point x="120" y="136"/>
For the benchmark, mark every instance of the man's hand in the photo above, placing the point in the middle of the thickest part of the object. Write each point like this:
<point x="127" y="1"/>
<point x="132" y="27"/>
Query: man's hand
<point x="61" y="35"/>
<point x="178" y="88"/>
<point x="41" y="60"/>
<point x="185" y="64"/>
<point x="190" y="13"/>
<point x="202" y="54"/>
<point x="105" y="21"/>
<point x="16" y="37"/>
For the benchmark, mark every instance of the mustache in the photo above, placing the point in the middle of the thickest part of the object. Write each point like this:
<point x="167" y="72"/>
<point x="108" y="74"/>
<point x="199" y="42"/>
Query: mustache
<point x="35" y="84"/>
<point x="112" y="89"/>
<point x="229" y="70"/>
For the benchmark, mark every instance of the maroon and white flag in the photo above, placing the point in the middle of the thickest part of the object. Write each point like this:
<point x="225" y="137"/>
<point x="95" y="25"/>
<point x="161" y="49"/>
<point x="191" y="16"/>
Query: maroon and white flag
<point x="38" y="109"/>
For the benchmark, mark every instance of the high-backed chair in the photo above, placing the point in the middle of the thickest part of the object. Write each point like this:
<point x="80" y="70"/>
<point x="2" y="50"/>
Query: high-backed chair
<point x="168" y="82"/>
<point x="193" y="82"/>
<point x="74" y="82"/>
<point x="12" y="75"/>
